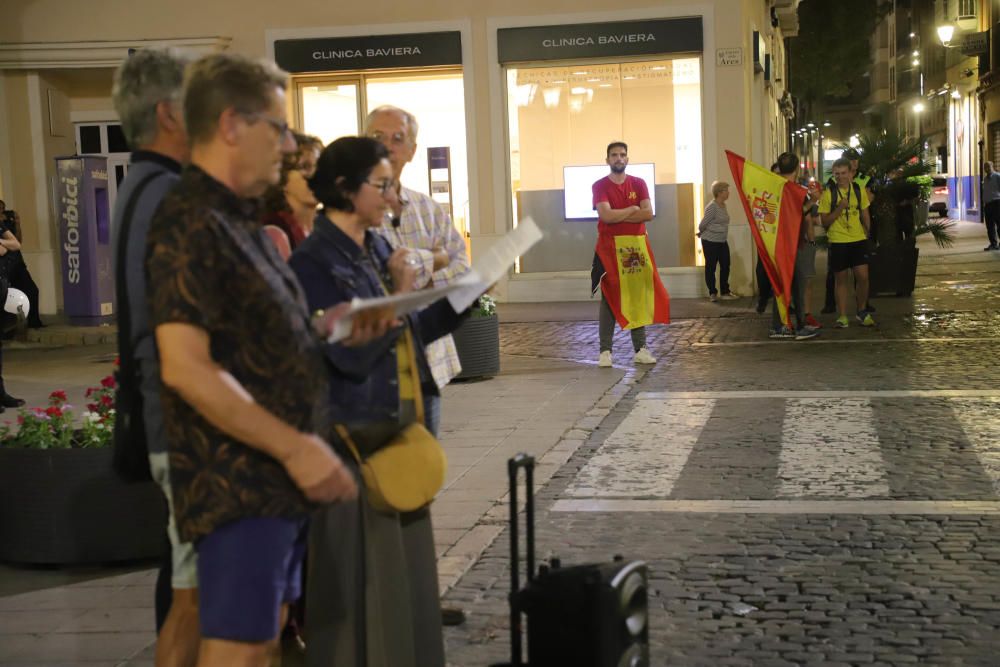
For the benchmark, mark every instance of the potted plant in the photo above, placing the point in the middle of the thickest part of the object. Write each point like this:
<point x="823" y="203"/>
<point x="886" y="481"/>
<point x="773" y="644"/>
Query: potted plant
<point x="901" y="188"/>
<point x="60" y="501"/>
<point x="478" y="341"/>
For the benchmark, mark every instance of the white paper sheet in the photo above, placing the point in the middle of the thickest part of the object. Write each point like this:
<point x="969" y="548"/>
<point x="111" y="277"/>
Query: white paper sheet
<point x="492" y="266"/>
<point x="486" y="271"/>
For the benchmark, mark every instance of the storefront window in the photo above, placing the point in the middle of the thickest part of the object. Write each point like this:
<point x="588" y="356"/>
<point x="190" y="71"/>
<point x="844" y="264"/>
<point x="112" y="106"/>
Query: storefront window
<point x="565" y="116"/>
<point x="337" y="106"/>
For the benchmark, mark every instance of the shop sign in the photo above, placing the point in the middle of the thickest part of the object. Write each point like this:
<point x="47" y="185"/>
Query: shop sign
<point x="334" y="54"/>
<point x="975" y="43"/>
<point x="728" y="57"/>
<point x="599" y="40"/>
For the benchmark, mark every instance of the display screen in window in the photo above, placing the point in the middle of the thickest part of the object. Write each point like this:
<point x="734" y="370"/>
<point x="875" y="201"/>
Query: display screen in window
<point x="578" y="198"/>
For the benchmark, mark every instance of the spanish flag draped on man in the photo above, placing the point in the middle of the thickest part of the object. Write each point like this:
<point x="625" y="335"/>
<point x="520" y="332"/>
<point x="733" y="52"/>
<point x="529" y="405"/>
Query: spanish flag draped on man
<point x="774" y="209"/>
<point x="624" y="267"/>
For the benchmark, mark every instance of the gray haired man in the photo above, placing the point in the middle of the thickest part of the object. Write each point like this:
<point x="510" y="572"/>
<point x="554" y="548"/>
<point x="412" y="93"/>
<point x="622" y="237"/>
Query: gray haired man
<point x="146" y="94"/>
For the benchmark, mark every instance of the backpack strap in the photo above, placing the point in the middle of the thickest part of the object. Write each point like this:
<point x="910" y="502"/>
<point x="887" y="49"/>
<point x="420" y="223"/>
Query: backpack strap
<point x="121" y="291"/>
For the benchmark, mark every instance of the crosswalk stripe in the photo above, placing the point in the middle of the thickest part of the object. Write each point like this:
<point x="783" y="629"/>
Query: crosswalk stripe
<point x="826" y="507"/>
<point x="980" y="419"/>
<point x="646" y="453"/>
<point x="830" y="447"/>
<point x="832" y="393"/>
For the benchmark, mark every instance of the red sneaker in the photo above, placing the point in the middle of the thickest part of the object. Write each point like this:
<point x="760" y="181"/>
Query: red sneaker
<point x="812" y="321"/>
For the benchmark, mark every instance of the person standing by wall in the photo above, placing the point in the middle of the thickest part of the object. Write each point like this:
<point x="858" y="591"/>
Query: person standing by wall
<point x="714" y="231"/>
<point x="991" y="205"/>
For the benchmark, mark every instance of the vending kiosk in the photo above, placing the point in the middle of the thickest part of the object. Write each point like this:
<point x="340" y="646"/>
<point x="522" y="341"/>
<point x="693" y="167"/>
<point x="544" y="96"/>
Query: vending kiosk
<point x="85" y="239"/>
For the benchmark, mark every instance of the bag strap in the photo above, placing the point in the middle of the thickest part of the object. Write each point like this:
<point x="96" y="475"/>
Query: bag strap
<point x="418" y="393"/>
<point x="121" y="291"/>
<point x="418" y="398"/>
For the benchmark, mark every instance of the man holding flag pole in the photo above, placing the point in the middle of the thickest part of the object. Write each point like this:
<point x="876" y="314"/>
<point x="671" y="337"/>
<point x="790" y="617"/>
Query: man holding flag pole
<point x="624" y="269"/>
<point x="775" y="206"/>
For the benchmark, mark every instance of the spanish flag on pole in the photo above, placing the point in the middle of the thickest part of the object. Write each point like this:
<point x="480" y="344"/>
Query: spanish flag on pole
<point x="774" y="209"/>
<point x="625" y="271"/>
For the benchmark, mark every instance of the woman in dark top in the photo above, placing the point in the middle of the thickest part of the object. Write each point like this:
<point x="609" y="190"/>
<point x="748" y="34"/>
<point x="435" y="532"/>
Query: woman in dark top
<point x="373" y="588"/>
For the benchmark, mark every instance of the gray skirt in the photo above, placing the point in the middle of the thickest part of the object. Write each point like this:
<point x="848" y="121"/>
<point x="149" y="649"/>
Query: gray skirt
<point x="372" y="589"/>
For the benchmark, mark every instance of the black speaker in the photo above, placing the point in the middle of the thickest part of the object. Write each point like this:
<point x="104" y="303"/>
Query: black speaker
<point x="582" y="616"/>
<point x="587" y="615"/>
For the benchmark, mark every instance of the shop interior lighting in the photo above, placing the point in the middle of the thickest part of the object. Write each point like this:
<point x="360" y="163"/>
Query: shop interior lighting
<point x="955" y="95"/>
<point x="918" y="107"/>
<point x="826" y="123"/>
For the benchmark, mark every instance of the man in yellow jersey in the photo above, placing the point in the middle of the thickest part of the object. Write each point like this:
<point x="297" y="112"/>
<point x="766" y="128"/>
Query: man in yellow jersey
<point x="844" y="213"/>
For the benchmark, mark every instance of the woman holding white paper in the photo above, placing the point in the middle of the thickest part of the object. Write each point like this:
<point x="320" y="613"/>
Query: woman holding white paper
<point x="372" y="595"/>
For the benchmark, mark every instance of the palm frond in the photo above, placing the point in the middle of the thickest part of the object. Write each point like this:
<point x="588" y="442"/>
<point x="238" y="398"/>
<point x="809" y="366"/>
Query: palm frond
<point x="942" y="232"/>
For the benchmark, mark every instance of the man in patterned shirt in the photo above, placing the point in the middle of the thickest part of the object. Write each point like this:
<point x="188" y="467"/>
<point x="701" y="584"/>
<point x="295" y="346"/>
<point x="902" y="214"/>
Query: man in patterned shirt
<point x="421" y="225"/>
<point x="244" y="384"/>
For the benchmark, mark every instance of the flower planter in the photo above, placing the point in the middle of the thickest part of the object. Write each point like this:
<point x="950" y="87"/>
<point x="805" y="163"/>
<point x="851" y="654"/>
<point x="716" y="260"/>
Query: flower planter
<point x="478" y="343"/>
<point x="63" y="506"/>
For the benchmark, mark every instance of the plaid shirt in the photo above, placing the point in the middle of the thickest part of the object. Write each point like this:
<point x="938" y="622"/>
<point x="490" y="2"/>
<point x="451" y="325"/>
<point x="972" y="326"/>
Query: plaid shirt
<point x="424" y="226"/>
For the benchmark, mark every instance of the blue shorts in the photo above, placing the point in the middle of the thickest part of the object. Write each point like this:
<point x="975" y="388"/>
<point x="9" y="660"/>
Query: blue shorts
<point x="246" y="570"/>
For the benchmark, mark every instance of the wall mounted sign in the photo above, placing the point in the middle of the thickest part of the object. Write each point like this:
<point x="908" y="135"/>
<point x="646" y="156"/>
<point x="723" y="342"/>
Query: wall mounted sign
<point x="975" y="43"/>
<point x="333" y="54"/>
<point x="599" y="40"/>
<point x="729" y="57"/>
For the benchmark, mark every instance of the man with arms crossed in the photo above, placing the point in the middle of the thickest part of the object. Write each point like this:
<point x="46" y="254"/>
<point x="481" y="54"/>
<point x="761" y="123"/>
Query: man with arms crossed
<point x="623" y="207"/>
<point x="844" y="213"/>
<point x="147" y="97"/>
<point x="243" y="376"/>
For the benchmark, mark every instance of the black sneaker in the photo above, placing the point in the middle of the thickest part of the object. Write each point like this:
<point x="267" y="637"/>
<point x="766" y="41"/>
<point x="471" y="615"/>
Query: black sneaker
<point x="452" y="616"/>
<point x="992" y="247"/>
<point x="9" y="401"/>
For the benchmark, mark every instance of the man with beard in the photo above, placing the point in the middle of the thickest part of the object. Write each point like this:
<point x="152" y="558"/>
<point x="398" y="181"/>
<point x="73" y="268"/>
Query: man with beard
<point x="624" y="269"/>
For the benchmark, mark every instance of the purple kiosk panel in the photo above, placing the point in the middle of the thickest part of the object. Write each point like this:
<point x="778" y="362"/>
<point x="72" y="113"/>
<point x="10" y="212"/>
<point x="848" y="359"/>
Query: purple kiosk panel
<point x="84" y="239"/>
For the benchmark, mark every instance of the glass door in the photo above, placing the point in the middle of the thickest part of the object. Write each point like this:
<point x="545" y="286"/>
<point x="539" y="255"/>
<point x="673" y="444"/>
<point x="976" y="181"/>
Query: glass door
<point x="335" y="106"/>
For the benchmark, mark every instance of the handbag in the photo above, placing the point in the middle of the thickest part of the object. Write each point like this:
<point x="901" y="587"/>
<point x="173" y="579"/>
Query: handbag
<point x="407" y="472"/>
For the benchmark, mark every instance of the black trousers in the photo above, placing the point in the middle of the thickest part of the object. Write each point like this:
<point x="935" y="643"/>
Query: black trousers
<point x="991" y="212"/>
<point x="716" y="254"/>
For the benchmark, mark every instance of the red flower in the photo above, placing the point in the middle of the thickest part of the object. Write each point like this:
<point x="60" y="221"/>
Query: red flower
<point x="20" y="419"/>
<point x="90" y="391"/>
<point x="92" y="407"/>
<point x="107" y="401"/>
<point x="58" y="395"/>
<point x="108" y="382"/>
<point x="53" y="411"/>
<point x="118" y="361"/>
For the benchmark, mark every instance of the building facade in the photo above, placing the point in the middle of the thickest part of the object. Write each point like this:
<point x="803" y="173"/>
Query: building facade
<point x="516" y="101"/>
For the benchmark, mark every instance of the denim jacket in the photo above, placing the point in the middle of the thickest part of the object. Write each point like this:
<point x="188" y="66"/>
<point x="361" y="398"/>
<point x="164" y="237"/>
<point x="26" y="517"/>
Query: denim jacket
<point x="364" y="387"/>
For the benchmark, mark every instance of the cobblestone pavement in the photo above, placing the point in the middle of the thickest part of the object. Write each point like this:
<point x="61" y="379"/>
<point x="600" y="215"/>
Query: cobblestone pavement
<point x="824" y="502"/>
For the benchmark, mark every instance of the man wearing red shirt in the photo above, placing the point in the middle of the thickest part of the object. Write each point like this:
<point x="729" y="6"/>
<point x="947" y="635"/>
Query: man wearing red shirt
<point x="623" y="207"/>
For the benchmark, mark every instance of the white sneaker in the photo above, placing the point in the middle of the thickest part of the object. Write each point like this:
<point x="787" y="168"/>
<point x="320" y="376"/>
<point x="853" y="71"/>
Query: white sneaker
<point x="604" y="361"/>
<point x="644" y="357"/>
<point x="729" y="296"/>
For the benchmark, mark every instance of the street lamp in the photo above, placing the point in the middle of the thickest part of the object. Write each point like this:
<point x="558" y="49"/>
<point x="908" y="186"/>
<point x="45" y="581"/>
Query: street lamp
<point x="945" y="32"/>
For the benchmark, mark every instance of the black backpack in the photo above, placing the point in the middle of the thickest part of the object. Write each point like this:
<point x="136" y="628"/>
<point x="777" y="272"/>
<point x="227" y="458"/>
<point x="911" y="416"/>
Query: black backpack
<point x="131" y="451"/>
<point x="835" y="192"/>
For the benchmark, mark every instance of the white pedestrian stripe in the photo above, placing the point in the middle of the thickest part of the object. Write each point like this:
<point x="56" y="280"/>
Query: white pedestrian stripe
<point x="980" y="419"/>
<point x="830" y="448"/>
<point x="646" y="453"/>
